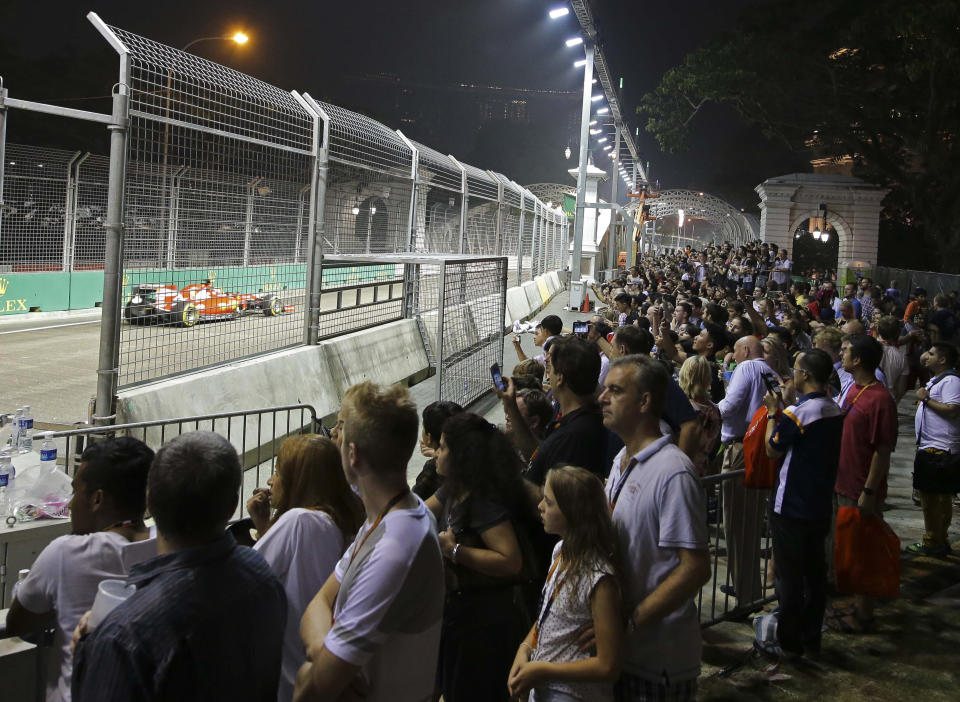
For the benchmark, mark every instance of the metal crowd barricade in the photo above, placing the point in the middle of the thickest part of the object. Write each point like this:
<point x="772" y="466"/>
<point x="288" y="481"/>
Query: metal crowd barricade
<point x="256" y="434"/>
<point x="714" y="605"/>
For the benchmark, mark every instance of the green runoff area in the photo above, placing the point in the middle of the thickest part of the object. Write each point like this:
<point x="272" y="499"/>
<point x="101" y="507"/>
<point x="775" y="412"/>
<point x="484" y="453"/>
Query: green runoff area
<point x="55" y="291"/>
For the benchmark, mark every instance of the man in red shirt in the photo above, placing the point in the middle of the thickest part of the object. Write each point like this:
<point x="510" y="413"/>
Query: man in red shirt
<point x="869" y="437"/>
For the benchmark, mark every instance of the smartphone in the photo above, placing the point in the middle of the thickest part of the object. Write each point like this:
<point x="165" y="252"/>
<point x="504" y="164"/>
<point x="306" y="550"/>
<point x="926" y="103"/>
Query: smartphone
<point x="581" y="327"/>
<point x="772" y="384"/>
<point x="498" y="377"/>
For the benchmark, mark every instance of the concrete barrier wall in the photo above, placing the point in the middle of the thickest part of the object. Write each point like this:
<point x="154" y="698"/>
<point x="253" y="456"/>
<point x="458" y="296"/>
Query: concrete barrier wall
<point x="313" y="375"/>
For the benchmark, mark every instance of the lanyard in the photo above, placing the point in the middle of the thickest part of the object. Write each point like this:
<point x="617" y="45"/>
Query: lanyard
<point x="862" y="390"/>
<point x="546" y="610"/>
<point x="623" y="479"/>
<point x="390" y="505"/>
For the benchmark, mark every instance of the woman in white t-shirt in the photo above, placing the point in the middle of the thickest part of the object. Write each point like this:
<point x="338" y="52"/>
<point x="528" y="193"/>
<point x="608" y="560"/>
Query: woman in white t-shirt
<point x="581" y="592"/>
<point x="316" y="515"/>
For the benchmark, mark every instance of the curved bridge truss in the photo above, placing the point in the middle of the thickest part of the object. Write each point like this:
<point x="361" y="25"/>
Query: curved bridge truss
<point x="730" y="224"/>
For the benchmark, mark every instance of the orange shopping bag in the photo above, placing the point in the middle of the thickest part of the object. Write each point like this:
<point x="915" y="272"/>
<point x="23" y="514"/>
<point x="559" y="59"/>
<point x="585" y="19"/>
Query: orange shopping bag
<point x="760" y="471"/>
<point x="866" y="556"/>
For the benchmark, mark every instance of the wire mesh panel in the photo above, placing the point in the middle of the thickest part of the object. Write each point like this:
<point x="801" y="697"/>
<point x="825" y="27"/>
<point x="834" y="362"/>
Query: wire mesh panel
<point x="474" y="295"/>
<point x="369" y="186"/>
<point x="482" y="208"/>
<point x="359" y="295"/>
<point x="510" y="231"/>
<point x="35" y="226"/>
<point x="89" y="212"/>
<point x="439" y="198"/>
<point x="526" y="239"/>
<point x="216" y="170"/>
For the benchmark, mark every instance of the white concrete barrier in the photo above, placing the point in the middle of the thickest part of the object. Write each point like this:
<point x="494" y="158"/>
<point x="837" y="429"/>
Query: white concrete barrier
<point x="517" y="304"/>
<point x="312" y="375"/>
<point x="533" y="295"/>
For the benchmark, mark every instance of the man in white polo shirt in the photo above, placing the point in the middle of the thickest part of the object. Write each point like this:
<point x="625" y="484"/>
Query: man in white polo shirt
<point x="659" y="513"/>
<point x="374" y="627"/>
<point x="936" y="473"/>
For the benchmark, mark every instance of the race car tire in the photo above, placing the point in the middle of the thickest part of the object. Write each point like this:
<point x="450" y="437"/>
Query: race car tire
<point x="139" y="314"/>
<point x="184" y="314"/>
<point x="272" y="306"/>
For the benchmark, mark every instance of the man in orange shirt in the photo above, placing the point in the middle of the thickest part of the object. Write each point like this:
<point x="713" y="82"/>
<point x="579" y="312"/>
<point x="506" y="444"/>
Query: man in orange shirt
<point x="916" y="309"/>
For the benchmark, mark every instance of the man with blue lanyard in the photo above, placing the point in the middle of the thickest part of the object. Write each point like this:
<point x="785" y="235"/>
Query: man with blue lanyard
<point x="806" y="441"/>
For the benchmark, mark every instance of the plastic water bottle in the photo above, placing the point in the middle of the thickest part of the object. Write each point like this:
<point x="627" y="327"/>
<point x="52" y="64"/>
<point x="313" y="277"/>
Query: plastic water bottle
<point x="8" y="473"/>
<point x="15" y="439"/>
<point x="48" y="456"/>
<point x="26" y="431"/>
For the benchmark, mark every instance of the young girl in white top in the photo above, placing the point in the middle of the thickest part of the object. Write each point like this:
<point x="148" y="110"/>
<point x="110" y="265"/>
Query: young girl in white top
<point x="581" y="592"/>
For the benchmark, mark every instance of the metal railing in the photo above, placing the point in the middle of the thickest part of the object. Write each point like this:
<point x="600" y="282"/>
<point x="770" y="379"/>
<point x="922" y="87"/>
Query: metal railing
<point x="256" y="434"/>
<point x="713" y="604"/>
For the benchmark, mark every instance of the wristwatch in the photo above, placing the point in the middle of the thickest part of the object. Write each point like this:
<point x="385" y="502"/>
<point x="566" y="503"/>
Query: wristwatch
<point x="454" y="552"/>
<point x="868" y="491"/>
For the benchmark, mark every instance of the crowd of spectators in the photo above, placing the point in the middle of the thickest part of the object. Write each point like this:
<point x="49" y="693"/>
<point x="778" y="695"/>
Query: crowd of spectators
<point x="559" y="558"/>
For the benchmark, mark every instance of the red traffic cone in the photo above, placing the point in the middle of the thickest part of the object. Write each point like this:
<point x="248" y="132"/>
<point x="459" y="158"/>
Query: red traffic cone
<point x="585" y="307"/>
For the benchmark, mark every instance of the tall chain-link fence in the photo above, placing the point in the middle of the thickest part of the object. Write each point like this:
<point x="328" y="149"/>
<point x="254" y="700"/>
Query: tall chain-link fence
<point x="907" y="280"/>
<point x="231" y="189"/>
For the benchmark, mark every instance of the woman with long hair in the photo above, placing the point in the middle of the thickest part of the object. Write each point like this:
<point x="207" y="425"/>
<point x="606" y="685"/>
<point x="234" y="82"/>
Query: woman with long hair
<point x="581" y="591"/>
<point x="479" y="509"/>
<point x="695" y="378"/>
<point x="315" y="516"/>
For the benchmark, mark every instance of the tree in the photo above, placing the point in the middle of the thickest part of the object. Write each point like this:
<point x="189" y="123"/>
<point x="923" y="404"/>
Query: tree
<point x="874" y="80"/>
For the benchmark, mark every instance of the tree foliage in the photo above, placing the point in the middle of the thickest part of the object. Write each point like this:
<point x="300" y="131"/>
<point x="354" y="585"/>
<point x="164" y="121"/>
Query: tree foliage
<point x="875" y="80"/>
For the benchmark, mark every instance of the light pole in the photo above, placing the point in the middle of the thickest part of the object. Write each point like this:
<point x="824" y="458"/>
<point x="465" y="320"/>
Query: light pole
<point x="576" y="292"/>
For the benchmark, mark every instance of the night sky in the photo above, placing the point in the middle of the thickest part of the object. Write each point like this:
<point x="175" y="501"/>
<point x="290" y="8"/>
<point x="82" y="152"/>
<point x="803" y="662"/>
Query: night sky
<point x="49" y="51"/>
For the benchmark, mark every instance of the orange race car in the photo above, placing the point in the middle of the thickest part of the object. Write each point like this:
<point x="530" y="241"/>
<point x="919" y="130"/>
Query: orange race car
<point x="156" y="303"/>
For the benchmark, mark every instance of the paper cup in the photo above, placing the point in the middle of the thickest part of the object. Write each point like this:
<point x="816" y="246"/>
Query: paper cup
<point x="110" y="594"/>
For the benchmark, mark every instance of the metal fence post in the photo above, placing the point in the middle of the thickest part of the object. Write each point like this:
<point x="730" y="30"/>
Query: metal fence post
<point x="463" y="204"/>
<point x="248" y="225"/>
<point x="300" y="208"/>
<point x="3" y="145"/>
<point x="615" y="191"/>
<point x="173" y="216"/>
<point x="499" y="220"/>
<point x="108" y="370"/>
<point x="316" y="226"/>
<point x="409" y="270"/>
<point x="442" y="288"/>
<point x="69" y="207"/>
<point x="522" y="218"/>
